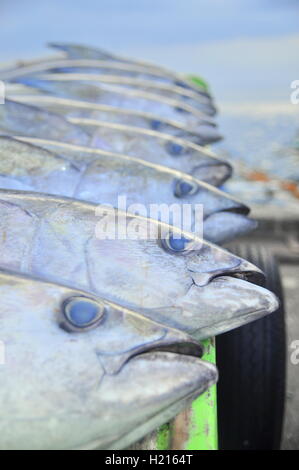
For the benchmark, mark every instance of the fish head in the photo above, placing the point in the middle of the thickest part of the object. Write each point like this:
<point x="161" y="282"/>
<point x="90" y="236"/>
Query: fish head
<point x="184" y="282"/>
<point x="217" y="216"/>
<point x="226" y="289"/>
<point x="179" y="279"/>
<point x="204" y="165"/>
<point x="82" y="372"/>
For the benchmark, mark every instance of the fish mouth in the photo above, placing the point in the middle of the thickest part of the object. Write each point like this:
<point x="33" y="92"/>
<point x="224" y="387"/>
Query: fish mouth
<point x="215" y="173"/>
<point x="253" y="277"/>
<point x="190" y="348"/>
<point x="239" y="208"/>
<point x="267" y="304"/>
<point x="165" y="383"/>
<point x="230" y="300"/>
<point x="175" y="343"/>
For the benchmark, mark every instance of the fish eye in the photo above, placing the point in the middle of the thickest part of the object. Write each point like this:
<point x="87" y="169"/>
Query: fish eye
<point x="156" y="124"/>
<point x="175" y="149"/>
<point x="181" y="110"/>
<point x="185" y="188"/>
<point x="181" y="84"/>
<point x="81" y="313"/>
<point x="179" y="244"/>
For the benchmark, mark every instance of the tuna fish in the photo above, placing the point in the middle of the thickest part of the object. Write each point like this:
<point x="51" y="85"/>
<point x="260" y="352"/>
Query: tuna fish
<point x="120" y="74"/>
<point x="81" y="372"/>
<point x="205" y="133"/>
<point x="175" y="277"/>
<point x="75" y="51"/>
<point x="103" y="177"/>
<point x="122" y="97"/>
<point x="20" y="119"/>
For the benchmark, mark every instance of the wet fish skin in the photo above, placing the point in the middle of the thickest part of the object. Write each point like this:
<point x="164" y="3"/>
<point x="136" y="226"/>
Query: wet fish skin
<point x="21" y="119"/>
<point x="112" y="73"/>
<point x="106" y="68"/>
<point x="189" y="288"/>
<point x="104" y="177"/>
<point x="96" y="79"/>
<point x="160" y="148"/>
<point x="122" y="98"/>
<point x="205" y="133"/>
<point x="30" y="168"/>
<point x="76" y="51"/>
<point x="154" y="147"/>
<point x="97" y="371"/>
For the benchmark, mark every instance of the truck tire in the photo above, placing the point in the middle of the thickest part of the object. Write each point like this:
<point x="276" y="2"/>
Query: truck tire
<point x="252" y="369"/>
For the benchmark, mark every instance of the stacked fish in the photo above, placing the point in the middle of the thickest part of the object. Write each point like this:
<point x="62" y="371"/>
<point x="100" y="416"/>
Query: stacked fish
<point x="102" y="333"/>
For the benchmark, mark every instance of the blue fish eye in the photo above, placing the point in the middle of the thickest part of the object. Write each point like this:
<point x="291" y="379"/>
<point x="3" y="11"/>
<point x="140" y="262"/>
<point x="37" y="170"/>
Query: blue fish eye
<point x="181" y="84"/>
<point x="156" y="124"/>
<point x="81" y="312"/>
<point x="174" y="149"/>
<point x="181" y="110"/>
<point x="185" y="188"/>
<point x="175" y="244"/>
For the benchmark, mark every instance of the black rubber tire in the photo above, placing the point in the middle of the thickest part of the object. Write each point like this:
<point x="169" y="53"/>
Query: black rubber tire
<point x="252" y="369"/>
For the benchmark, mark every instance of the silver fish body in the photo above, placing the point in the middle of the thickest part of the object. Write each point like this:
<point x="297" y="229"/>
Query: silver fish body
<point x="112" y="73"/>
<point x="103" y="177"/>
<point x="81" y="372"/>
<point x="175" y="277"/>
<point x="205" y="133"/>
<point x="75" y="51"/>
<point x="117" y="96"/>
<point x="194" y="100"/>
<point x="160" y="148"/>
<point x="20" y="119"/>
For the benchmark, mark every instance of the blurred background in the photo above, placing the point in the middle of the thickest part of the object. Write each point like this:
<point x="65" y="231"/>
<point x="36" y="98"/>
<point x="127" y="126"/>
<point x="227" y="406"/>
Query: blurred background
<point x="247" y="50"/>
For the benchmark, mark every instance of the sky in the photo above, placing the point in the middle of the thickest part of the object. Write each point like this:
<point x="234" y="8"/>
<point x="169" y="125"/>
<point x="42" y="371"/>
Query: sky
<point x="247" y="49"/>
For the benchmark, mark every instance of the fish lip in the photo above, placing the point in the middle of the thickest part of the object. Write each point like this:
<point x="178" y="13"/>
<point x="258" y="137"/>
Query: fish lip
<point x="239" y="321"/>
<point x="210" y="140"/>
<point x="189" y="347"/>
<point x="257" y="278"/>
<point x="240" y="209"/>
<point x="227" y="170"/>
<point x="117" y="441"/>
<point x="216" y="164"/>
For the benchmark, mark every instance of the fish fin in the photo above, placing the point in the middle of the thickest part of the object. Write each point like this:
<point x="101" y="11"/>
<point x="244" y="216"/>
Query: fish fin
<point x="76" y="51"/>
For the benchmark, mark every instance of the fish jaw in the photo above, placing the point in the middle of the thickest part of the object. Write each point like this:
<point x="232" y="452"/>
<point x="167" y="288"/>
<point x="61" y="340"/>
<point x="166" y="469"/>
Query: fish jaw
<point x="231" y="303"/>
<point x="223" y="227"/>
<point x="208" y="135"/>
<point x="213" y="173"/>
<point x="178" y="380"/>
<point x="227" y="303"/>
